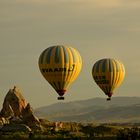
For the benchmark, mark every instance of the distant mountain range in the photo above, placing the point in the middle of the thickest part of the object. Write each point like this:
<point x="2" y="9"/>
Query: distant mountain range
<point x="98" y="110"/>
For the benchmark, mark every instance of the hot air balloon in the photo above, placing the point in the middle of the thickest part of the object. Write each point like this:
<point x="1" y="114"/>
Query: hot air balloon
<point x="108" y="74"/>
<point x="60" y="65"/>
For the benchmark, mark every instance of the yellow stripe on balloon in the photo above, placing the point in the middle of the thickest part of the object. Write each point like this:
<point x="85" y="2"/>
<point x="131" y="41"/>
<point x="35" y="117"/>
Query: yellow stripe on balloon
<point x="60" y="65"/>
<point x="108" y="74"/>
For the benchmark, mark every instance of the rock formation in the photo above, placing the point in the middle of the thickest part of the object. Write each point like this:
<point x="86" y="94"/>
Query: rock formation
<point x="13" y="104"/>
<point x="17" y="111"/>
<point x="29" y="118"/>
<point x="15" y="128"/>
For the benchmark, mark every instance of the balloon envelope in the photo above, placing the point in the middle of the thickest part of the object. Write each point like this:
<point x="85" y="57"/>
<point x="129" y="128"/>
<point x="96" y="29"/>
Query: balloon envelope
<point x="60" y="65"/>
<point x="108" y="74"/>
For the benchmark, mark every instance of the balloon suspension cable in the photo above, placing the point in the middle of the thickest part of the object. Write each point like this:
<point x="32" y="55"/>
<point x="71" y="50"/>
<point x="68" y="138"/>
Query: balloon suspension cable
<point x="61" y="93"/>
<point x="60" y="98"/>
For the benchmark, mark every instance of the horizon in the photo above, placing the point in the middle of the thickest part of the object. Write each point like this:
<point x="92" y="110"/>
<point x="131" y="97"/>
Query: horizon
<point x="65" y="102"/>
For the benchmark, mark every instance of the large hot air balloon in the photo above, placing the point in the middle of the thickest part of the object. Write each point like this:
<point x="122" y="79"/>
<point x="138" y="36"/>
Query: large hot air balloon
<point x="60" y="65"/>
<point x="108" y="74"/>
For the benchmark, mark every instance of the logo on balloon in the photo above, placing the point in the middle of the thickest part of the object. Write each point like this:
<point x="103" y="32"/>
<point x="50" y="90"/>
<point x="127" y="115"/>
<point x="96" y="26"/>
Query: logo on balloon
<point x="44" y="70"/>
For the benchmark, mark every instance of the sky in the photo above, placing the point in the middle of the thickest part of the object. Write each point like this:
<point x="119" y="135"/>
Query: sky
<point x="96" y="28"/>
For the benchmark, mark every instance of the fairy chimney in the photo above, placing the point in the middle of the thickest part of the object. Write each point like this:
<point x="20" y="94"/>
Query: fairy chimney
<point x="16" y="109"/>
<point x="13" y="104"/>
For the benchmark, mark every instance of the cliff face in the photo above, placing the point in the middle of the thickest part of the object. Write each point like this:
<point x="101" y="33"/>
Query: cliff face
<point x="16" y="109"/>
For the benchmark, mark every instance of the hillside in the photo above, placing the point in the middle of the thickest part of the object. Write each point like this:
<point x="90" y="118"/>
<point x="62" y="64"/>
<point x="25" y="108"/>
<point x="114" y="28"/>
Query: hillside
<point x="119" y="109"/>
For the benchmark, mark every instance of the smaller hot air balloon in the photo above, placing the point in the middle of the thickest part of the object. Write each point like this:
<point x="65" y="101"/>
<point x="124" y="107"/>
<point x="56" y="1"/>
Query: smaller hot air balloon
<point x="108" y="74"/>
<point x="60" y="65"/>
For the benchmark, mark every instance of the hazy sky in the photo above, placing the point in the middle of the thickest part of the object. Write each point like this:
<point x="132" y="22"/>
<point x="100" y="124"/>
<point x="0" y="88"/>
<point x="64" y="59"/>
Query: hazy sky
<point x="96" y="28"/>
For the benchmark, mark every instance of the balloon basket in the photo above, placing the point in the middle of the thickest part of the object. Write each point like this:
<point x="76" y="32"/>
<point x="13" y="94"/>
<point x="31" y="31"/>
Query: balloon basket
<point x="108" y="99"/>
<point x="60" y="98"/>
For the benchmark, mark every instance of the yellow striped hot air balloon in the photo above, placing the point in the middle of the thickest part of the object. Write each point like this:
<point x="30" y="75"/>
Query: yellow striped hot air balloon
<point x="108" y="74"/>
<point x="60" y="65"/>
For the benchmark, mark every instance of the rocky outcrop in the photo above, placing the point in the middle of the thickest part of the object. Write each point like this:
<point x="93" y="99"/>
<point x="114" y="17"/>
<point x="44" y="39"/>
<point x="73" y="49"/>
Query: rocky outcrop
<point x="14" y="103"/>
<point x="17" y="111"/>
<point x="29" y="118"/>
<point x="15" y="128"/>
<point x="3" y="122"/>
